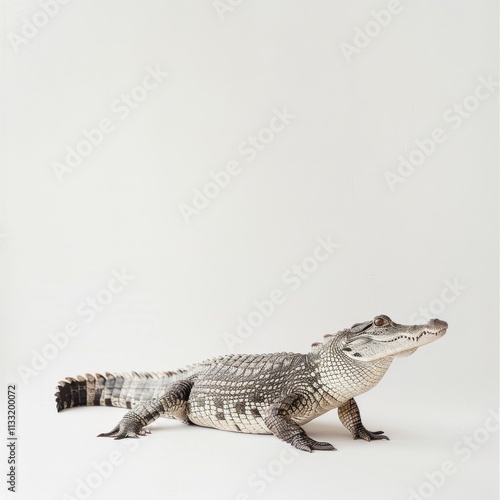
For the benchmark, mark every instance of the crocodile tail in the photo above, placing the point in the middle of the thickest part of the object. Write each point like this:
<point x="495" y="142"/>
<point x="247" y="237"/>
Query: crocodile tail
<point x="122" y="390"/>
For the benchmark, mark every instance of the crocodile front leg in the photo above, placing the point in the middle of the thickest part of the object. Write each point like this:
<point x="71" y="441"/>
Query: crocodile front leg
<point x="279" y="422"/>
<point x="351" y="419"/>
<point x="171" y="404"/>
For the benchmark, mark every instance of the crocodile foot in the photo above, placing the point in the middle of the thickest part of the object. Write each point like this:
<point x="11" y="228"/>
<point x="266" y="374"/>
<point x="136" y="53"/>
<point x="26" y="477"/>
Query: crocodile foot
<point x="362" y="433"/>
<point x="125" y="429"/>
<point x="305" y="443"/>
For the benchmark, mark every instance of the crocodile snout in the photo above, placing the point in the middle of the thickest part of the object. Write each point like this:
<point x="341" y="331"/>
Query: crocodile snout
<point x="438" y="324"/>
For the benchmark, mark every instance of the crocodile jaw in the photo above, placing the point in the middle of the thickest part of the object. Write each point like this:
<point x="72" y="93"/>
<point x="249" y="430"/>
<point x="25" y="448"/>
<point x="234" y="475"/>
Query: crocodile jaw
<point x="393" y="340"/>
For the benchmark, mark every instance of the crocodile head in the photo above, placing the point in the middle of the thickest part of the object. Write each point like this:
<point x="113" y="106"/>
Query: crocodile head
<point x="382" y="338"/>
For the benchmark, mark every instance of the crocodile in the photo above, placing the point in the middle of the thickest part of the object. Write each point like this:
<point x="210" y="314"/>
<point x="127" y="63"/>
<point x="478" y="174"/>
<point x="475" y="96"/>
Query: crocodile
<point x="260" y="394"/>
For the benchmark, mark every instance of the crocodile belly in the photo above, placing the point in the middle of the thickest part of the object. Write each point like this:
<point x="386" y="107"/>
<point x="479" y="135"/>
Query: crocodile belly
<point x="226" y="411"/>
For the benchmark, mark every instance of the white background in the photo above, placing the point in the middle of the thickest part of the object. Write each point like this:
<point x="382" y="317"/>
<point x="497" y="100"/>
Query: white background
<point x="323" y="176"/>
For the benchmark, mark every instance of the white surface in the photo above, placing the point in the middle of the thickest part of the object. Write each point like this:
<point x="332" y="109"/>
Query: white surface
<point x="322" y="176"/>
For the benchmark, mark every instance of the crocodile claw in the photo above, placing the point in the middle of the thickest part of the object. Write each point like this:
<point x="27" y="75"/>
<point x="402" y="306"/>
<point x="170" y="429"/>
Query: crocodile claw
<point x="305" y="443"/>
<point x="126" y="429"/>
<point x="367" y="435"/>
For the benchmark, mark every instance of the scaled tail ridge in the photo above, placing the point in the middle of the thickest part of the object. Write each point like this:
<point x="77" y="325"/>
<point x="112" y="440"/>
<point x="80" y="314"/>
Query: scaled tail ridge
<point x="123" y="390"/>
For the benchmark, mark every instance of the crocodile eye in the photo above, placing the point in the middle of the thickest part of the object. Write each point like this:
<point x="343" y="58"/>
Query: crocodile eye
<point x="379" y="321"/>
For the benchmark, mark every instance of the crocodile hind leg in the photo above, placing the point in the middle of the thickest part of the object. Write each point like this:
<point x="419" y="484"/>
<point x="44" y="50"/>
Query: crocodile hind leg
<point x="279" y="422"/>
<point x="351" y="419"/>
<point x="172" y="403"/>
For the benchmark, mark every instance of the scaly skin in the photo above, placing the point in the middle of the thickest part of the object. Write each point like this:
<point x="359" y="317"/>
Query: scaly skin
<point x="260" y="394"/>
